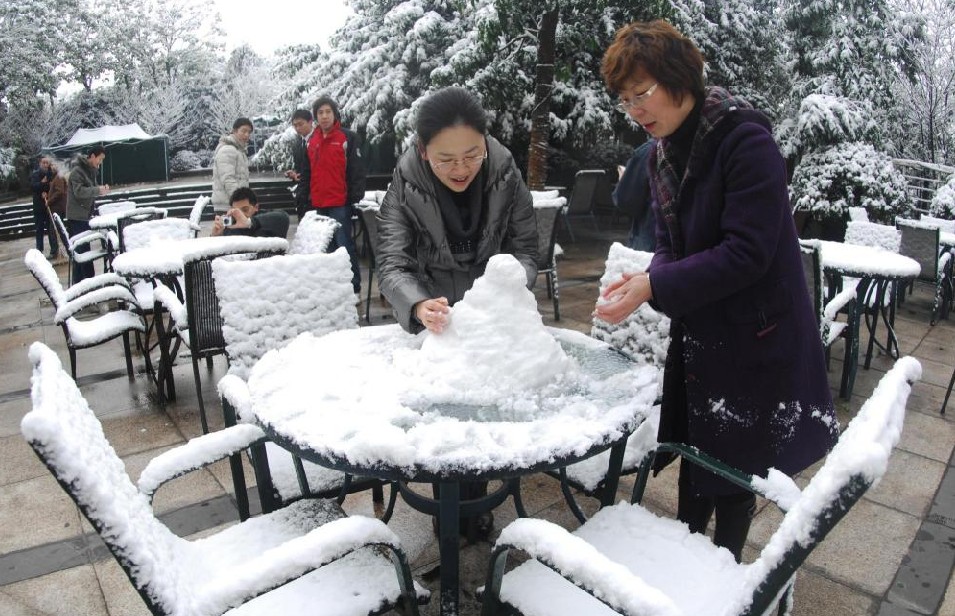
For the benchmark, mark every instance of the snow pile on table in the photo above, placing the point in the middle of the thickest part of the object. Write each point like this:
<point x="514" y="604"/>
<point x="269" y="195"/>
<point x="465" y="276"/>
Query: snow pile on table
<point x="494" y="345"/>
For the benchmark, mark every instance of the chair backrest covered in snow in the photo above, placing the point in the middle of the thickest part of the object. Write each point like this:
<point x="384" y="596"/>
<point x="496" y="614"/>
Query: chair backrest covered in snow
<point x="267" y="302"/>
<point x="313" y="235"/>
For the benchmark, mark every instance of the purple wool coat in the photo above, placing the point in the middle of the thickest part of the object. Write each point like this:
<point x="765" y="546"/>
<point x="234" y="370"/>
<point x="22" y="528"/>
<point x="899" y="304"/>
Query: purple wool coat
<point x="746" y="377"/>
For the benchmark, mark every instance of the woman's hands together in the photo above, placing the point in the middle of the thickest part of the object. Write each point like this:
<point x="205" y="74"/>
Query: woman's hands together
<point x="433" y="314"/>
<point x="623" y="296"/>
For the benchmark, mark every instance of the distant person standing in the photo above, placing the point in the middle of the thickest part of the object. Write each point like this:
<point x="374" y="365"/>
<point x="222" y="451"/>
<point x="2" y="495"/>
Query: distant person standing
<point x="632" y="196"/>
<point x="230" y="164"/>
<point x="336" y="176"/>
<point x="56" y="203"/>
<point x="82" y="193"/>
<point x="304" y="126"/>
<point x="40" y="186"/>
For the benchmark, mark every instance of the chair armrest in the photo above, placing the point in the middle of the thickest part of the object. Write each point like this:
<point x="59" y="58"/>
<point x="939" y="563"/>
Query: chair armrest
<point x="292" y="559"/>
<point x="708" y="462"/>
<point x="86" y="237"/>
<point x="112" y="240"/>
<point x="96" y="282"/>
<point x="778" y="487"/>
<point x="943" y="263"/>
<point x="581" y="564"/>
<point x="170" y="301"/>
<point x="96" y="296"/>
<point x="195" y="454"/>
<point x="839" y="303"/>
<point x="235" y="391"/>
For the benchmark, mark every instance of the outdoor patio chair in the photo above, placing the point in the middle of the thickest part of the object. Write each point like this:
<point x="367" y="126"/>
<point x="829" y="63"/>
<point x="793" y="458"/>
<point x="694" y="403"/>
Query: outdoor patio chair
<point x="627" y="560"/>
<point x="195" y="214"/>
<point x="313" y="235"/>
<point x="265" y="304"/>
<point x="644" y="336"/>
<point x="830" y="328"/>
<point x="864" y="233"/>
<point x="368" y="219"/>
<point x="920" y="242"/>
<point x="132" y="217"/>
<point x="97" y="291"/>
<point x="86" y="238"/>
<point x="308" y="558"/>
<point x="583" y="198"/>
<point x="115" y="207"/>
<point x="948" y="226"/>
<point x="195" y="319"/>
<point x="548" y="218"/>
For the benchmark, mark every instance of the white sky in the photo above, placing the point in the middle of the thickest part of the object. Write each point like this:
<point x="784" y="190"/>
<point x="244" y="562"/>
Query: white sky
<point x="283" y="23"/>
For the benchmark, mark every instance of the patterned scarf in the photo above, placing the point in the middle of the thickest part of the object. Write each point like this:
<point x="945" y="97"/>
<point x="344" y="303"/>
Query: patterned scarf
<point x="716" y="106"/>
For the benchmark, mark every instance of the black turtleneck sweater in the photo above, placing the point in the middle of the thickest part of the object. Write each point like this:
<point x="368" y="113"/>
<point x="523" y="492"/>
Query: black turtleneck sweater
<point x="681" y="141"/>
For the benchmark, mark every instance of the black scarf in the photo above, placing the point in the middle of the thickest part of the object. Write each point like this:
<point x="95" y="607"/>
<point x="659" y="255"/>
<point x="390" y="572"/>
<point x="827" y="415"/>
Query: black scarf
<point x="461" y="212"/>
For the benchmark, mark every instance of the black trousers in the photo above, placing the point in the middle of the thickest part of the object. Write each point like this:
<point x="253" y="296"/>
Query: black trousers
<point x="734" y="512"/>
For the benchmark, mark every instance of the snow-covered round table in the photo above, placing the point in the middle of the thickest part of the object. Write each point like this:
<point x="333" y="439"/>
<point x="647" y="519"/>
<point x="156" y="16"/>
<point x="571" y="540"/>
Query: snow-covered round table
<point x="878" y="270"/>
<point x="357" y="401"/>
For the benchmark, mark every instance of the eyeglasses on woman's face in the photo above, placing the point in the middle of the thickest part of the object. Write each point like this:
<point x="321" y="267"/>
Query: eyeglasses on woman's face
<point x="636" y="101"/>
<point x="469" y="162"/>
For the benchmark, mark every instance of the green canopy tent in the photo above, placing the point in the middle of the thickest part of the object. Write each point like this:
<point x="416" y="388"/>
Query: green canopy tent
<point x="132" y="155"/>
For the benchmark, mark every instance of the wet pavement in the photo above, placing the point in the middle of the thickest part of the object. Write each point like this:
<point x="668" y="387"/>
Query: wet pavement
<point x="892" y="555"/>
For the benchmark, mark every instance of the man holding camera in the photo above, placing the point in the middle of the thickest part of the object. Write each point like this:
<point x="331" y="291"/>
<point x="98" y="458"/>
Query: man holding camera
<point x="244" y="217"/>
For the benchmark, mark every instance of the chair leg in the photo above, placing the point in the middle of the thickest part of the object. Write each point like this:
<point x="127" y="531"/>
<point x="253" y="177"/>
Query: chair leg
<point x="553" y="283"/>
<point x="948" y="392"/>
<point x="202" y="406"/>
<point x="129" y="356"/>
<point x="371" y="276"/>
<point x="73" y="362"/>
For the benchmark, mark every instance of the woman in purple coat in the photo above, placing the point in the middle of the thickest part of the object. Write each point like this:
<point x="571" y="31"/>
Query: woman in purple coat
<point x="745" y="378"/>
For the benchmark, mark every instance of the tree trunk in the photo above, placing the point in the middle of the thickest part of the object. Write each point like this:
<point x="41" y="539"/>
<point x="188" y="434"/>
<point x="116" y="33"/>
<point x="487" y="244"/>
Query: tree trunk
<point x="544" y="84"/>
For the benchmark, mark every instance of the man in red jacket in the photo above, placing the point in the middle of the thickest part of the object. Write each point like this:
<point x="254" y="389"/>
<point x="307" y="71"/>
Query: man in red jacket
<point x="336" y="176"/>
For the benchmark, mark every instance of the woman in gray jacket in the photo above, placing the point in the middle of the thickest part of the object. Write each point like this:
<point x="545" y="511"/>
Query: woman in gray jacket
<point x="456" y="200"/>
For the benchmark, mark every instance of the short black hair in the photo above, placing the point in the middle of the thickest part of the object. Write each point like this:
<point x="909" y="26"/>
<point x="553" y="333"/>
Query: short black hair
<point x="243" y="193"/>
<point x="449" y="107"/>
<point x="241" y="122"/>
<point x="301" y="114"/>
<point x="96" y="150"/>
<point x="326" y="100"/>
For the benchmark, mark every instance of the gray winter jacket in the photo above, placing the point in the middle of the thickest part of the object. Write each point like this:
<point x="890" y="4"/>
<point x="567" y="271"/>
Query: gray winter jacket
<point x="414" y="260"/>
<point x="83" y="189"/>
<point x="230" y="170"/>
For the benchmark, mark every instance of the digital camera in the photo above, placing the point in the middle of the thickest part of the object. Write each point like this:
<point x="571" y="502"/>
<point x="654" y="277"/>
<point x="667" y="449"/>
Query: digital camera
<point x="227" y="221"/>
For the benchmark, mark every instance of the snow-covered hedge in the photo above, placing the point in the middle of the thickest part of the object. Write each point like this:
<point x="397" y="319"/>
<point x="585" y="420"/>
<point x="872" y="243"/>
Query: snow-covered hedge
<point x="828" y="182"/>
<point x="276" y="152"/>
<point x="943" y="203"/>
<point x="185" y="160"/>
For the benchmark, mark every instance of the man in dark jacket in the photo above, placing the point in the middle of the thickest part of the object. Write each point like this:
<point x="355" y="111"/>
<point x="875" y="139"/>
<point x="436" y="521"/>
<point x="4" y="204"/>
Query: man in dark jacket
<point x="632" y="196"/>
<point x="244" y="217"/>
<point x="336" y="176"/>
<point x="80" y="199"/>
<point x="300" y="172"/>
<point x="40" y="185"/>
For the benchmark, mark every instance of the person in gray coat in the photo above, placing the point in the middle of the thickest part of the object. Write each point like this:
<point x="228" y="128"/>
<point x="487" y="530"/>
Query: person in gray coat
<point x="230" y="164"/>
<point x="456" y="199"/>
<point x="80" y="199"/>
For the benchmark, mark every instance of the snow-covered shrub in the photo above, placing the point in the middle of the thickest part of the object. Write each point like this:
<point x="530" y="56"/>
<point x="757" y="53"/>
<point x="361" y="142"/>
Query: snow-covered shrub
<point x="185" y="160"/>
<point x="8" y="170"/>
<point x="824" y="121"/>
<point x="276" y="152"/>
<point x="828" y="182"/>
<point x="943" y="203"/>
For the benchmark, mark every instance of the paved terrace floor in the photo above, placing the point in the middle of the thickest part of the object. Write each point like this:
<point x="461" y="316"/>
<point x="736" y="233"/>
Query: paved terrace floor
<point x="891" y="556"/>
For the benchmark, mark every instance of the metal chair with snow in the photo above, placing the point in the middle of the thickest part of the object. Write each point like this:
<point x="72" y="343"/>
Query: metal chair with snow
<point x="830" y="328"/>
<point x="644" y="337"/>
<point x="85" y="238"/>
<point x="583" y="197"/>
<point x="308" y="558"/>
<point x="627" y="560"/>
<point x="313" y="234"/>
<point x="97" y="292"/>
<point x="548" y="213"/>
<point x="265" y="304"/>
<point x="920" y="241"/>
